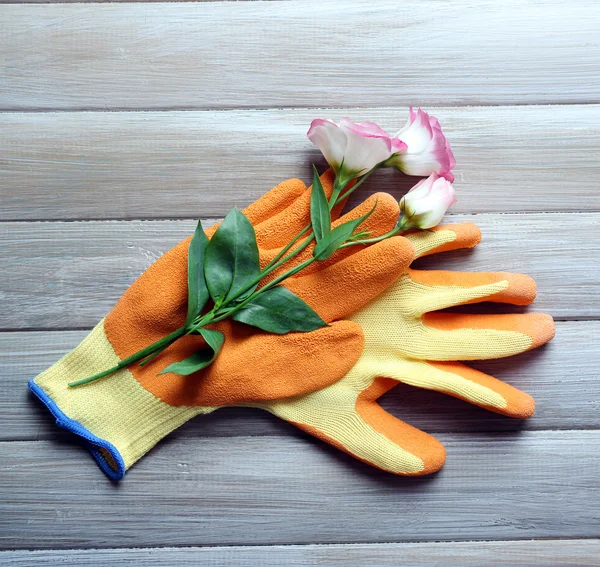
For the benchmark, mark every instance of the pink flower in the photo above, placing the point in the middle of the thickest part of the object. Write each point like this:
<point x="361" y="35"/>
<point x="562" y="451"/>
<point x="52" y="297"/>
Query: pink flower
<point x="427" y="202"/>
<point x="350" y="149"/>
<point x="428" y="149"/>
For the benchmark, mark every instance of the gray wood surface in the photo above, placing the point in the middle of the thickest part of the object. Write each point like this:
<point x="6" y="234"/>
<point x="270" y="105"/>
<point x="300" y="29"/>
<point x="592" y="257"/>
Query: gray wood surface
<point x="271" y="490"/>
<point x="68" y="275"/>
<point x="298" y="53"/>
<point x="563" y="378"/>
<point x="121" y="122"/>
<point x="103" y="165"/>
<point x="549" y="553"/>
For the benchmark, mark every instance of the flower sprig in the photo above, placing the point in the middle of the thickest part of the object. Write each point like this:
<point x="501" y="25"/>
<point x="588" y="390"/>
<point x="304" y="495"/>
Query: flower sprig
<point x="224" y="273"/>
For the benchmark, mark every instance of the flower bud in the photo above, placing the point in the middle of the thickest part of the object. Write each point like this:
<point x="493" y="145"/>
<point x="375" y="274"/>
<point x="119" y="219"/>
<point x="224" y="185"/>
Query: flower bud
<point x="426" y="203"/>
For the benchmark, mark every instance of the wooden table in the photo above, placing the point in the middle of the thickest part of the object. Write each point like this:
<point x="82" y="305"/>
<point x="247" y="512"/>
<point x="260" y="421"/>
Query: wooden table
<point x="121" y="123"/>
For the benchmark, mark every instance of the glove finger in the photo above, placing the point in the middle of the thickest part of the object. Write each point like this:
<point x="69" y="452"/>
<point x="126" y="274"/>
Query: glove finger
<point x="436" y="289"/>
<point x="464" y="336"/>
<point x="166" y="305"/>
<point x="271" y="203"/>
<point x="275" y="201"/>
<point x="481" y="389"/>
<point x="277" y="230"/>
<point x="445" y="238"/>
<point x="345" y="286"/>
<point x="361" y="428"/>
<point x="255" y="366"/>
<point x="468" y="384"/>
<point x="382" y="220"/>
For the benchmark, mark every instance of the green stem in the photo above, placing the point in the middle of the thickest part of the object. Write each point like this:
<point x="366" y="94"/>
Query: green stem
<point x="284" y="250"/>
<point x="150" y="352"/>
<point x="397" y="230"/>
<point x="280" y="259"/>
<point x="156" y="353"/>
<point x="288" y="274"/>
<point x="358" y="183"/>
<point x="170" y="338"/>
<point x="273" y="266"/>
<point x="271" y="284"/>
<point x="337" y="189"/>
<point x="295" y="252"/>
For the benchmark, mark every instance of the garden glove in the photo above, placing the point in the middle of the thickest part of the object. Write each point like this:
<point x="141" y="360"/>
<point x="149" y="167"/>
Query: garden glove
<point x="122" y="416"/>
<point x="408" y="340"/>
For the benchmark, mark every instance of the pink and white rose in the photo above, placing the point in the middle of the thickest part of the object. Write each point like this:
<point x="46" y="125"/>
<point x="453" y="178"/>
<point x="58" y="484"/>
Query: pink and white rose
<point x="426" y="203"/>
<point x="351" y="149"/>
<point x="420" y="147"/>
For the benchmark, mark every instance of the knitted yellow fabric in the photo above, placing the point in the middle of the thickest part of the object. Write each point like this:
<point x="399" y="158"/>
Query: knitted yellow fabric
<point x="396" y="344"/>
<point x="117" y="409"/>
<point x="405" y="341"/>
<point x="122" y="416"/>
<point x="426" y="241"/>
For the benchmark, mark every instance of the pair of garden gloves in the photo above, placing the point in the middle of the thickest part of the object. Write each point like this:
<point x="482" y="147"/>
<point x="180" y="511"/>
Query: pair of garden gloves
<point x="385" y="327"/>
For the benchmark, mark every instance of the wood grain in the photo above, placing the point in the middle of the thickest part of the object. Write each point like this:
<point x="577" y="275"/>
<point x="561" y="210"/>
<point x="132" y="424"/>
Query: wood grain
<point x="298" y="53"/>
<point x="67" y="275"/>
<point x="269" y="490"/>
<point x="208" y="104"/>
<point x="563" y="378"/>
<point x="99" y="165"/>
<point x="549" y="553"/>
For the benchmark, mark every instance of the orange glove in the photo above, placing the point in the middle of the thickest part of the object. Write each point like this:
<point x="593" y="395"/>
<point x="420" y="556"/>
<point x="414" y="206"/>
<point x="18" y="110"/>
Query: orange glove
<point x="408" y="340"/>
<point x="124" y="415"/>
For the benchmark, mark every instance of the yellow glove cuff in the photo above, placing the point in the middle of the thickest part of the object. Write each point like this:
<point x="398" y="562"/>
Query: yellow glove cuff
<point x="118" y="419"/>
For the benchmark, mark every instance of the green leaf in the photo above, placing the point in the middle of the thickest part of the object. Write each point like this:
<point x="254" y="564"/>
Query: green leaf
<point x="231" y="258"/>
<point x="200" y="359"/>
<point x="197" y="289"/>
<point x="279" y="311"/>
<point x="319" y="209"/>
<point x="340" y="234"/>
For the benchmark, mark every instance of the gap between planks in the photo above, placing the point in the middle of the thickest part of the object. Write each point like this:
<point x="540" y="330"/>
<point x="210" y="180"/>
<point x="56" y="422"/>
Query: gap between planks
<point x="242" y="108"/>
<point x="216" y="219"/>
<point x="574" y="552"/>
<point x="258" y="108"/>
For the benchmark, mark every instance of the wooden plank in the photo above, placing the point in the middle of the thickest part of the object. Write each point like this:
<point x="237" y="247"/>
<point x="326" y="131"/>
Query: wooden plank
<point x="298" y="53"/>
<point x="67" y="275"/>
<point x="85" y="165"/>
<point x="550" y="553"/>
<point x="269" y="490"/>
<point x="563" y="378"/>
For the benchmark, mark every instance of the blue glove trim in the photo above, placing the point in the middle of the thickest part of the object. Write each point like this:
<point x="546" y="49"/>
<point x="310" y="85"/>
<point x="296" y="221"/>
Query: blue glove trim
<point x="92" y="442"/>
